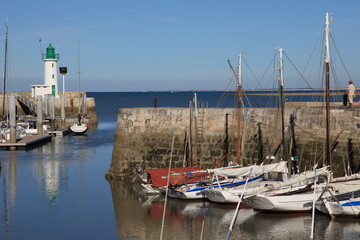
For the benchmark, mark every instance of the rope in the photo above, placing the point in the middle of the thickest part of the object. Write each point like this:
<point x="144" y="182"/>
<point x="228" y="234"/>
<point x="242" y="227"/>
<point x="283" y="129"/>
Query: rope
<point x="297" y="70"/>
<point x="346" y="70"/>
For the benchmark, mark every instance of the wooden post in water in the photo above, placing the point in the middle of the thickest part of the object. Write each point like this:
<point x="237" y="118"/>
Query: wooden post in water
<point x="155" y="102"/>
<point x="84" y="107"/>
<point x="46" y="103"/>
<point x="62" y="110"/>
<point x="12" y="108"/>
<point x="52" y="112"/>
<point x="39" y="115"/>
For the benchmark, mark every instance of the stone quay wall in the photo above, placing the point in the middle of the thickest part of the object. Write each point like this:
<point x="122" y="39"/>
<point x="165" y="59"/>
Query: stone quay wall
<point x="144" y="137"/>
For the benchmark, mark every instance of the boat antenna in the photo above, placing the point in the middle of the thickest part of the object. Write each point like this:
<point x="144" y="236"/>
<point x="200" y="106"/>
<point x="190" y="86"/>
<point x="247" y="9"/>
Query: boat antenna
<point x="5" y="69"/>
<point x="41" y="49"/>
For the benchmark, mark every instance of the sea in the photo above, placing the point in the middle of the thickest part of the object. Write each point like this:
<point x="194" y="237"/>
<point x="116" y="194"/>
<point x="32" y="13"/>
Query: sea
<point x="58" y="191"/>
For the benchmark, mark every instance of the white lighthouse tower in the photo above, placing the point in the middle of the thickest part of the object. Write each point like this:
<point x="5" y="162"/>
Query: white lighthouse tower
<point x="50" y="74"/>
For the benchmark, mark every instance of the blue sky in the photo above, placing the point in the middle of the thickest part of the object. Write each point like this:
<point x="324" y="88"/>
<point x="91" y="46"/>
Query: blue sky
<point x="170" y="44"/>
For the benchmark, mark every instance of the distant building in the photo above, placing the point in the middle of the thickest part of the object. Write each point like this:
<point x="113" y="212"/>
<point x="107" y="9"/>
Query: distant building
<point x="50" y="75"/>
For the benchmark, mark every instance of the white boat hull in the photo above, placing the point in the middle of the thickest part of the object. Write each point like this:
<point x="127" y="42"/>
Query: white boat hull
<point x="349" y="208"/>
<point x="79" y="128"/>
<point x="186" y="195"/>
<point x="232" y="196"/>
<point x="289" y="202"/>
<point x="196" y="192"/>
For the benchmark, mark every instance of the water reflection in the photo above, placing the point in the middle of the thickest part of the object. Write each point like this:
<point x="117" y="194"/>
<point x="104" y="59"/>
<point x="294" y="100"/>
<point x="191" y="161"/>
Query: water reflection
<point x="9" y="186"/>
<point x="139" y="217"/>
<point x="50" y="164"/>
<point x="349" y="228"/>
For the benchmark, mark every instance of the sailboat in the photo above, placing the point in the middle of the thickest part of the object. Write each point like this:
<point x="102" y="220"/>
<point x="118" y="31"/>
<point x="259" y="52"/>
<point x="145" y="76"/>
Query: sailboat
<point x="4" y="126"/>
<point x="343" y="205"/>
<point x="302" y="199"/>
<point x="80" y="127"/>
<point x="227" y="177"/>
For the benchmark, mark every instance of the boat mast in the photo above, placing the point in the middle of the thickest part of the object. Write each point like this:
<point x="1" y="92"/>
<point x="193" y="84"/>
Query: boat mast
<point x="79" y="75"/>
<point x="5" y="70"/>
<point x="238" y="101"/>
<point x="282" y="105"/>
<point x="327" y="92"/>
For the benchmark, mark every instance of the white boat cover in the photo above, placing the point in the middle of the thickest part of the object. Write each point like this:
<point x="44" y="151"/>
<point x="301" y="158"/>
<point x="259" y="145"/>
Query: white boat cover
<point x="255" y="170"/>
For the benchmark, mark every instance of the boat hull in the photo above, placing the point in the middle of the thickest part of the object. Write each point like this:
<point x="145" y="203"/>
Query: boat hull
<point x="198" y="192"/>
<point x="79" y="128"/>
<point x="350" y="208"/>
<point x="291" y="203"/>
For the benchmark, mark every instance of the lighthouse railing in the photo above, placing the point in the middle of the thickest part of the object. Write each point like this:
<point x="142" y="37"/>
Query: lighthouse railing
<point x="57" y="56"/>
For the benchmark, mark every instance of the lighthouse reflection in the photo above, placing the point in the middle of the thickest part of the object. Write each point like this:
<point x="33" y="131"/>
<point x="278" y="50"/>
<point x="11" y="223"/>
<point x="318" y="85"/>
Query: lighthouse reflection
<point x="50" y="169"/>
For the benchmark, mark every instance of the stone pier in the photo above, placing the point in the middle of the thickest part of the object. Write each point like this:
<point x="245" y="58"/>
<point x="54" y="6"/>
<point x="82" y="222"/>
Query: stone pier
<point x="72" y="102"/>
<point x="144" y="137"/>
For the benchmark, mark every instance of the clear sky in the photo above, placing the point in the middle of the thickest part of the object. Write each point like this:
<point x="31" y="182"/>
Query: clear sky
<point x="171" y="44"/>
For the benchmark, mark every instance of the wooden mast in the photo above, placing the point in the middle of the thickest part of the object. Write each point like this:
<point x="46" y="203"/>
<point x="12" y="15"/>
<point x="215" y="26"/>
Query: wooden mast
<point x="327" y="91"/>
<point x="282" y="105"/>
<point x="195" y="117"/>
<point x="5" y="71"/>
<point x="190" y="135"/>
<point x="238" y="101"/>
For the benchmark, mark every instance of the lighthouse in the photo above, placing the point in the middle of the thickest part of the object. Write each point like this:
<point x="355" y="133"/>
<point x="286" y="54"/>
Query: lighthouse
<point x="50" y="74"/>
<point x="50" y="70"/>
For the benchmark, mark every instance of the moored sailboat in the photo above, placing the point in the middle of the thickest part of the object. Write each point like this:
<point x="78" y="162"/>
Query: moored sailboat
<point x="301" y="199"/>
<point x="343" y="205"/>
<point x="80" y="127"/>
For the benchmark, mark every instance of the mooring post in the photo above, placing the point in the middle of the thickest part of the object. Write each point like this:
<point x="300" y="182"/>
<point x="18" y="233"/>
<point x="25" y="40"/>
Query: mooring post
<point x="52" y="112"/>
<point x="84" y="110"/>
<point x="155" y="102"/>
<point x="62" y="110"/>
<point x="39" y="115"/>
<point x="12" y="108"/>
<point x="46" y="103"/>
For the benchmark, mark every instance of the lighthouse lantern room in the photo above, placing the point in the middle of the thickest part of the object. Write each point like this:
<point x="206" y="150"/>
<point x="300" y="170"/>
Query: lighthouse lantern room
<point x="50" y="75"/>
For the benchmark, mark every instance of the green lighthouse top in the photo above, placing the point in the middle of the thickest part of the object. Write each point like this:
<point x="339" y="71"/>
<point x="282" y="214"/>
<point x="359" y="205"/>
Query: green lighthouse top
<point x="50" y="53"/>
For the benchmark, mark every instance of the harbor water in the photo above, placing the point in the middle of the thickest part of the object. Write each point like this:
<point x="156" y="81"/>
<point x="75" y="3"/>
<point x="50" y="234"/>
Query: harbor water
<point x="58" y="191"/>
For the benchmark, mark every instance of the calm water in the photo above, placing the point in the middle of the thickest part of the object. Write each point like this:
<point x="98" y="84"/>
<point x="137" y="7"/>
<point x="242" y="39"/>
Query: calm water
<point x="58" y="191"/>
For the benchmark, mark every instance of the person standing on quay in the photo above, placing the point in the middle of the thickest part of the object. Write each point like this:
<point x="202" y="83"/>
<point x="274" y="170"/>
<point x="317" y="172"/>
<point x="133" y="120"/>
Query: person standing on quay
<point x="351" y="93"/>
